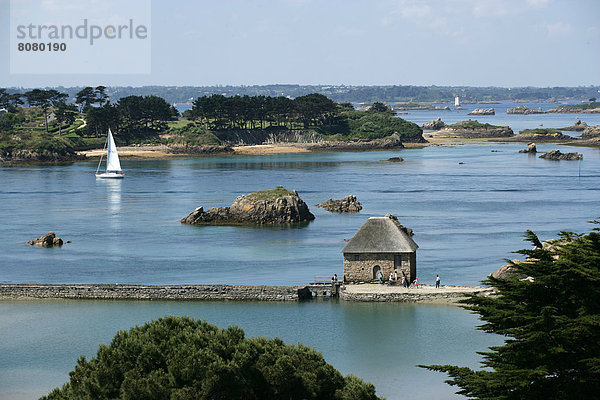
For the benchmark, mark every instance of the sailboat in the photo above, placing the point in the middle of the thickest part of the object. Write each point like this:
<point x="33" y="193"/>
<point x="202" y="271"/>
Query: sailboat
<point x="113" y="166"/>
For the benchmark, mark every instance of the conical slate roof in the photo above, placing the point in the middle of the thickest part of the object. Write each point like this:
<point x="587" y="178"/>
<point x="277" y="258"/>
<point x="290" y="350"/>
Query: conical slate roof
<point x="381" y="235"/>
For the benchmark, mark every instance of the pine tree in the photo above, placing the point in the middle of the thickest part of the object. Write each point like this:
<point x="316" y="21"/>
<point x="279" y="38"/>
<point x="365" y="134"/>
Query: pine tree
<point x="186" y="359"/>
<point x="551" y="320"/>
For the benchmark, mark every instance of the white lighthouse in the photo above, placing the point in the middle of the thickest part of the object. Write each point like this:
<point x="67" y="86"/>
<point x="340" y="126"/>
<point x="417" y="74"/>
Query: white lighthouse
<point x="456" y="101"/>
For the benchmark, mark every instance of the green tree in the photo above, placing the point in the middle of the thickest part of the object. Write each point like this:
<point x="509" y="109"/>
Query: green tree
<point x="381" y="108"/>
<point x="99" y="119"/>
<point x="44" y="99"/>
<point x="552" y="321"/>
<point x="181" y="358"/>
<point x="85" y="98"/>
<point x="89" y="96"/>
<point x="3" y="98"/>
<point x="64" y="113"/>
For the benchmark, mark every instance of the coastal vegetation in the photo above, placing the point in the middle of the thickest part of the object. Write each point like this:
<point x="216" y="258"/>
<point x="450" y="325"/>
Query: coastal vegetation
<point x="574" y="108"/>
<point x="472" y="125"/>
<point x="182" y="358"/>
<point x="213" y="121"/>
<point x="311" y="112"/>
<point x="269" y="194"/>
<point x="548" y="310"/>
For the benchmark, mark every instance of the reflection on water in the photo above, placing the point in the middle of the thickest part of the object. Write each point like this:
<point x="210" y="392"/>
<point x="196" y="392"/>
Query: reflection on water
<point x="113" y="187"/>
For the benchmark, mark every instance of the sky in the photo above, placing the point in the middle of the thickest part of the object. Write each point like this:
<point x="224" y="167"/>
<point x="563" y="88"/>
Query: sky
<point x="506" y="43"/>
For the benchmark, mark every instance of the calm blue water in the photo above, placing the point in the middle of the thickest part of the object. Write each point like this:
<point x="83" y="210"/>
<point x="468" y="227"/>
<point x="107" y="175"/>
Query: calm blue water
<point x="382" y="343"/>
<point x="467" y="219"/>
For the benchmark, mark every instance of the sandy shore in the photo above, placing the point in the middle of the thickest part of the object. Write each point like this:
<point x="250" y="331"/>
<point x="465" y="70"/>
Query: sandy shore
<point x="260" y="149"/>
<point x="146" y="151"/>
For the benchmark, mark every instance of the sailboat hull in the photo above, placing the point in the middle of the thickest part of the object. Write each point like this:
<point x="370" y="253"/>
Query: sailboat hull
<point x="110" y="175"/>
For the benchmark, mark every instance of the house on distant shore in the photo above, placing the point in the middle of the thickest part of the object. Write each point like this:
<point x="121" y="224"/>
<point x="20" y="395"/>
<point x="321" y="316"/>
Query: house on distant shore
<point x="383" y="245"/>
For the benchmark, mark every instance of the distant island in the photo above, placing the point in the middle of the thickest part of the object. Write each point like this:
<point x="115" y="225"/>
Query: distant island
<point x="592" y="107"/>
<point x="473" y="129"/>
<point x="52" y="130"/>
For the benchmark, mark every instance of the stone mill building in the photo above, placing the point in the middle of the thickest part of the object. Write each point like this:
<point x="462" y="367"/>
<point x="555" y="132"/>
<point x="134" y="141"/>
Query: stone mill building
<point x="381" y="244"/>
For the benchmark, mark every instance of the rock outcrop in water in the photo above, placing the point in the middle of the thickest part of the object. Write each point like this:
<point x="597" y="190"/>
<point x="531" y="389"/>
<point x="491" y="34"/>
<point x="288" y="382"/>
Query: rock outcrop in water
<point x="557" y="155"/>
<point x="348" y="204"/>
<point x="481" y="111"/>
<point x="578" y="126"/>
<point x="507" y="271"/>
<point x="542" y="135"/>
<point x="274" y="206"/>
<point x="434" y="125"/>
<point x="388" y="143"/>
<point x="531" y="148"/>
<point x="524" y="110"/>
<point x="591" y="132"/>
<point x="47" y="240"/>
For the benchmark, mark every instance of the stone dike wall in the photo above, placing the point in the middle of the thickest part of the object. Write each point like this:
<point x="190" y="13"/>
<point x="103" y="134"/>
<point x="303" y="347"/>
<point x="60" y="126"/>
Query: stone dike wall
<point x="146" y="292"/>
<point x="218" y="293"/>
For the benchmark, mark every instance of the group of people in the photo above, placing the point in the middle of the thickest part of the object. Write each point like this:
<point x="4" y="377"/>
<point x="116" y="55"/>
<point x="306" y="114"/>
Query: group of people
<point x="405" y="283"/>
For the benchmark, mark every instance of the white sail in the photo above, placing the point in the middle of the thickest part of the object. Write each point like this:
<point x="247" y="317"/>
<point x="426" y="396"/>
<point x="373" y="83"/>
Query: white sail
<point x="112" y="157"/>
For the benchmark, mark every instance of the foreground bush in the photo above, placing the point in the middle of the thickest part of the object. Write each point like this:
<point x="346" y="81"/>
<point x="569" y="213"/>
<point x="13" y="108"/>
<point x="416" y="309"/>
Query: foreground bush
<point x="181" y="358"/>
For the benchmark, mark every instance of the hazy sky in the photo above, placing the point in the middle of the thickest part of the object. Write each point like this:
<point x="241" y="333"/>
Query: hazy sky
<point x="381" y="42"/>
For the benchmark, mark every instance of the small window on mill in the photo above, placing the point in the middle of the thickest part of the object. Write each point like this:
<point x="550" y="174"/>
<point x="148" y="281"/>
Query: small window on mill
<point x="356" y="257"/>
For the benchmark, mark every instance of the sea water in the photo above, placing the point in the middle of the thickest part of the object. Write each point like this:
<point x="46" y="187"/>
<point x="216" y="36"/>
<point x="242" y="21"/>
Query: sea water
<point x="466" y="217"/>
<point x="468" y="206"/>
<point x="381" y="343"/>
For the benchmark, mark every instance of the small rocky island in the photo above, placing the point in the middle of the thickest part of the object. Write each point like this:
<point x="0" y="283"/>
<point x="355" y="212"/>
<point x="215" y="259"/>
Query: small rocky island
<point x="47" y="240"/>
<point x="524" y="110"/>
<point x="475" y="130"/>
<point x="578" y="126"/>
<point x="531" y="149"/>
<point x="482" y="111"/>
<point x="591" y="132"/>
<point x="542" y="134"/>
<point x="273" y="206"/>
<point x="557" y="155"/>
<point x="434" y="125"/>
<point x="348" y="204"/>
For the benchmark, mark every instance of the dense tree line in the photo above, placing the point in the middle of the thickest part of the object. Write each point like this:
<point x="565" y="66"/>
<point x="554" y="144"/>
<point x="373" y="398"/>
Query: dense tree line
<point x="186" y="359"/>
<point x="549" y="310"/>
<point x="131" y="115"/>
<point x="219" y="112"/>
